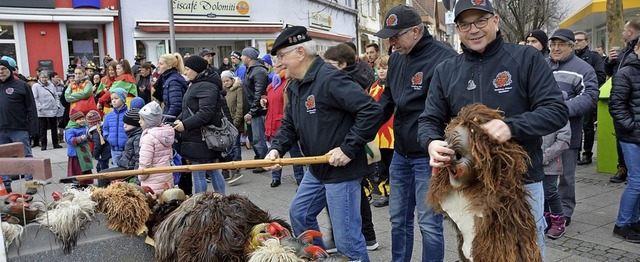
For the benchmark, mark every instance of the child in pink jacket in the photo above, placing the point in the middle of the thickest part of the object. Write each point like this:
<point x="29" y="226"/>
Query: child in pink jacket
<point x="155" y="148"/>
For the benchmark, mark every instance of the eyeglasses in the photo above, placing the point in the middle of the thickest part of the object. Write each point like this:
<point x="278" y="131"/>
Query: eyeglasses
<point x="398" y="35"/>
<point x="281" y="55"/>
<point x="479" y="23"/>
<point x="580" y="40"/>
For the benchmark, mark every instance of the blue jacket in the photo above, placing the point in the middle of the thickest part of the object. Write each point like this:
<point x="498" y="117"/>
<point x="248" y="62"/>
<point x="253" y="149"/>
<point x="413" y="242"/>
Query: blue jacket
<point x="578" y="79"/>
<point x="113" y="128"/>
<point x="70" y="134"/>
<point x="173" y="88"/>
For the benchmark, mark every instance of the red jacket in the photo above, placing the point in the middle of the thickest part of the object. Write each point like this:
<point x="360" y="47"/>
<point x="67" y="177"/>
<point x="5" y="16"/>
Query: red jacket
<point x="275" y="106"/>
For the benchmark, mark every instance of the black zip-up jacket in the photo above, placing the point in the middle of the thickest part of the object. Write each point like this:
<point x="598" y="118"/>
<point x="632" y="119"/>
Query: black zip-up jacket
<point x="624" y="103"/>
<point x="593" y="58"/>
<point x="327" y="109"/>
<point x="17" y="106"/>
<point x="513" y="78"/>
<point x="254" y="87"/>
<point x="408" y="80"/>
<point x="612" y="67"/>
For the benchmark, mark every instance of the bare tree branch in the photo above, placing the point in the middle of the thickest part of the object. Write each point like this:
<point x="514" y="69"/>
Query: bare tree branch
<point x="519" y="17"/>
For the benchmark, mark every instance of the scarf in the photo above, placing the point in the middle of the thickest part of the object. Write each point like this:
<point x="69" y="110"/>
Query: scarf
<point x="83" y="152"/>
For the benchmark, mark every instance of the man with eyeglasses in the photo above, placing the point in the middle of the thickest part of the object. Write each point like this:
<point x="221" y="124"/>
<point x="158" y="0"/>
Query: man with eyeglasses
<point x="512" y="78"/>
<point x="578" y="80"/>
<point x="594" y="60"/>
<point x="411" y="67"/>
<point x="327" y="113"/>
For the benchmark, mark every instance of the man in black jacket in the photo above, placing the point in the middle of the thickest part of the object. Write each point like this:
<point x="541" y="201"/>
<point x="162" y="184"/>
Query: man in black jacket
<point x="410" y="70"/>
<point x="592" y="58"/>
<point x="327" y="113"/>
<point x="254" y="87"/>
<point x="18" y="114"/>
<point x="509" y="77"/>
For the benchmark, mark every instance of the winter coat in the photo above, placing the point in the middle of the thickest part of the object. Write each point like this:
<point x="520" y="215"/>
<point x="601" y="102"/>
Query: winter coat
<point x="240" y="70"/>
<point x="408" y="81"/>
<point x="254" y="86"/>
<point x="578" y="79"/>
<point x="17" y="107"/>
<point x="611" y="68"/>
<point x="170" y="89"/>
<point x="512" y="78"/>
<point x="624" y="102"/>
<point x="113" y="128"/>
<point x="144" y="82"/>
<point x="156" y="151"/>
<point x="80" y="94"/>
<point x="130" y="155"/>
<point x="362" y="73"/>
<point x="594" y="60"/>
<point x="203" y="98"/>
<point x="100" y="151"/>
<point x="46" y="99"/>
<point x="60" y="93"/>
<point x="553" y="145"/>
<point x="327" y="109"/>
<point x="275" y="106"/>
<point x="235" y="99"/>
<point x="72" y="138"/>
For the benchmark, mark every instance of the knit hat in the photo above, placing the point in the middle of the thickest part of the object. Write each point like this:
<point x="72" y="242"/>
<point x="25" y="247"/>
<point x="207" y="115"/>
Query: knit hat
<point x="541" y="36"/>
<point x="122" y="94"/>
<point x="251" y="52"/>
<point x="196" y="63"/>
<point x="226" y="73"/>
<point x="7" y="65"/>
<point x="132" y="117"/>
<point x="136" y="102"/>
<point x="236" y="54"/>
<point x="11" y="61"/>
<point x="151" y="113"/>
<point x="75" y="114"/>
<point x="93" y="117"/>
<point x="267" y="59"/>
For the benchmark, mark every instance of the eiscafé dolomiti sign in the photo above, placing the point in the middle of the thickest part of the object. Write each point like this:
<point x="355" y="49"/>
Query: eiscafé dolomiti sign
<point x="211" y="9"/>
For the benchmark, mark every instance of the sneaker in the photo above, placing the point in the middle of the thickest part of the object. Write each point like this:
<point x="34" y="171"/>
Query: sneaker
<point x="381" y="202"/>
<point x="275" y="183"/>
<point x="57" y="146"/>
<point x="547" y="219"/>
<point x="557" y="228"/>
<point x="235" y="176"/>
<point x="620" y="176"/>
<point x="626" y="233"/>
<point x="372" y="245"/>
<point x="259" y="170"/>
<point x="585" y="160"/>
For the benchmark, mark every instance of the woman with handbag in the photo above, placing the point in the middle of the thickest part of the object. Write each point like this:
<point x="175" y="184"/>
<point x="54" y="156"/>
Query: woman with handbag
<point x="202" y="105"/>
<point x="47" y="104"/>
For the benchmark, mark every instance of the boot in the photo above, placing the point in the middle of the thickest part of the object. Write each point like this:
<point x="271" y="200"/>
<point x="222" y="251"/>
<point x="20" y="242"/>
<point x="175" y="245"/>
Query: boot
<point x="547" y="218"/>
<point x="557" y="227"/>
<point x="620" y="176"/>
<point x="585" y="160"/>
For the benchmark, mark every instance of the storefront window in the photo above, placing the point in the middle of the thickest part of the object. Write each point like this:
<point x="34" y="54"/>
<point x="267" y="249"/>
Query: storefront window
<point x="83" y="45"/>
<point x="7" y="41"/>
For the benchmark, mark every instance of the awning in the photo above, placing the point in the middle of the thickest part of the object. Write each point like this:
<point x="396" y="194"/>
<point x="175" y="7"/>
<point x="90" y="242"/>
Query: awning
<point x="594" y="14"/>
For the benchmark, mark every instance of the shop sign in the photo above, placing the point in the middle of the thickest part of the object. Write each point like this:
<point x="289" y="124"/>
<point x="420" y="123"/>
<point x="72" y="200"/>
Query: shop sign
<point x="86" y="3"/>
<point x="46" y="65"/>
<point x="320" y="20"/>
<point x="211" y="9"/>
<point x="29" y="3"/>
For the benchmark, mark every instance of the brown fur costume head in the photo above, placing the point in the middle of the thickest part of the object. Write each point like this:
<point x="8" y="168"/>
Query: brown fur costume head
<point x="209" y="227"/>
<point x="124" y="205"/>
<point x="505" y="229"/>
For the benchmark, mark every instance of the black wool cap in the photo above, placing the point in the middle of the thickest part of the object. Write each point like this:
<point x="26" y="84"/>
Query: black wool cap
<point x="398" y="18"/>
<point x="564" y="35"/>
<point x="291" y="36"/>
<point x="196" y="63"/>
<point x="464" y="5"/>
<point x="541" y="36"/>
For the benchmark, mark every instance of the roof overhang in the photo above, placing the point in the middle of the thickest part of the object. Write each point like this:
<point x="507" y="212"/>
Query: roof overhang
<point x="594" y="14"/>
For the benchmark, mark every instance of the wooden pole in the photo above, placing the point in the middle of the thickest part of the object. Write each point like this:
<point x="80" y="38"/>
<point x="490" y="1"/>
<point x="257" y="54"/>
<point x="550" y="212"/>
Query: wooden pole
<point x="190" y="168"/>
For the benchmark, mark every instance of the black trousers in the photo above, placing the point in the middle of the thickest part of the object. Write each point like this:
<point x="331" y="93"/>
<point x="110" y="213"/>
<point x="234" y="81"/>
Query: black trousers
<point x="588" y="133"/>
<point x="48" y="123"/>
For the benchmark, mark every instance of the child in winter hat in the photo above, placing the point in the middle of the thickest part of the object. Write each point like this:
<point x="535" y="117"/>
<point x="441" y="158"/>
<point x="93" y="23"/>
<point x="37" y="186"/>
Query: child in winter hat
<point x="155" y="147"/>
<point x="137" y="102"/>
<point x="151" y="115"/>
<point x="101" y="148"/>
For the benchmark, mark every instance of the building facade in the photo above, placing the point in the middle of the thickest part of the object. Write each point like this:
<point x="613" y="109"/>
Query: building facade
<point x="227" y="25"/>
<point x="51" y="34"/>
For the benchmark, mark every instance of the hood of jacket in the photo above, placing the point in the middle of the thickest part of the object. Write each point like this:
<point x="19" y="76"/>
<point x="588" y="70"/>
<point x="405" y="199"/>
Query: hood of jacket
<point x="362" y="73"/>
<point x="633" y="60"/>
<point x="164" y="133"/>
<point x="237" y="83"/>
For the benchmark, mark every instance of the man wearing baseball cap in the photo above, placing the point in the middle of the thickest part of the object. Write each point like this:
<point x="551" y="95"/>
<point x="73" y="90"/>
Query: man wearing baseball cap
<point x="512" y="78"/>
<point x="410" y="70"/>
<point x="578" y="79"/>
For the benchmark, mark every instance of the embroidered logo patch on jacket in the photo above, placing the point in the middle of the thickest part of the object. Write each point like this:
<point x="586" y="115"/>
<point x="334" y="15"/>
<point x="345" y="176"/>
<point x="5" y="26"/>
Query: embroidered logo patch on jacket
<point x="311" y="104"/>
<point x="502" y="82"/>
<point x="416" y="81"/>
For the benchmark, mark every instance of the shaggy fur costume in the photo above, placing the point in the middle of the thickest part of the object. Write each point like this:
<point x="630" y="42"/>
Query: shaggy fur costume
<point x="504" y="229"/>
<point x="124" y="205"/>
<point x="68" y="216"/>
<point x="209" y="227"/>
<point x="11" y="232"/>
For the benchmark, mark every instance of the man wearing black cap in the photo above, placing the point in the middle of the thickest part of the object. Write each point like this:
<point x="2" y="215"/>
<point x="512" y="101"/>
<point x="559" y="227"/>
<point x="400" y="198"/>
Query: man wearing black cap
<point x="578" y="80"/>
<point x="538" y="39"/>
<point x="410" y="70"/>
<point x="19" y="117"/>
<point x="327" y="113"/>
<point x="139" y="60"/>
<point x="509" y="77"/>
<point x="239" y="69"/>
<point x="208" y="55"/>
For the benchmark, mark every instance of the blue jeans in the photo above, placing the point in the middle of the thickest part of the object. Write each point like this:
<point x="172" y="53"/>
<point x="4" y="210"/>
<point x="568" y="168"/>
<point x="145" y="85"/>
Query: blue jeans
<point x="200" y="181"/>
<point x="552" y="201"/>
<point x="298" y="170"/>
<point x="9" y="136"/>
<point x="258" y="138"/>
<point x="343" y="201"/>
<point x="536" y="200"/>
<point x="630" y="200"/>
<point x="409" y="182"/>
<point x="236" y="153"/>
<point x="115" y="156"/>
